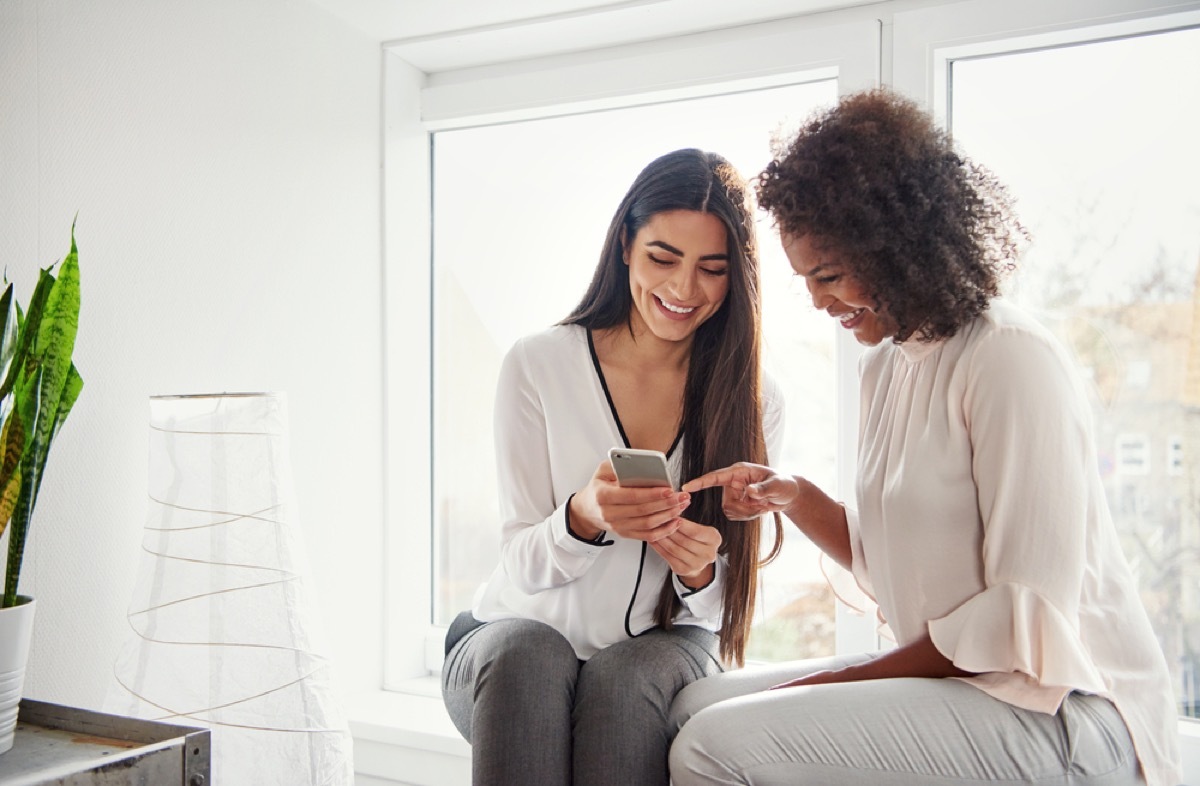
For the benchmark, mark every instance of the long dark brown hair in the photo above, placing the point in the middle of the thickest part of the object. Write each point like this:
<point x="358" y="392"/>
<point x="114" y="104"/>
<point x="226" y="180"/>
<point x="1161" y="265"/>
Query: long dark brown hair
<point x="722" y="407"/>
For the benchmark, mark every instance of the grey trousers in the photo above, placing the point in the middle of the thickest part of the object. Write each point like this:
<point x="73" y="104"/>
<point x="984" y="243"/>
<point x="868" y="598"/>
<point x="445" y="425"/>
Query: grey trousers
<point x="535" y="714"/>
<point x="899" y="732"/>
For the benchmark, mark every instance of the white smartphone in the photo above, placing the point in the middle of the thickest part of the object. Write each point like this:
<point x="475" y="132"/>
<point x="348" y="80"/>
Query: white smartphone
<point x="640" y="468"/>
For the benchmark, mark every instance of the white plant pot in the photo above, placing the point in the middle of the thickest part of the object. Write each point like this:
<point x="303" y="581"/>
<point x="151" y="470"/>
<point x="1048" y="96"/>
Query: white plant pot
<point x="16" y="631"/>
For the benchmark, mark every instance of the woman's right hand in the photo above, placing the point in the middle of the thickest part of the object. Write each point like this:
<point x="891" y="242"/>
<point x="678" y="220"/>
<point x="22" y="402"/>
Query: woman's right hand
<point x="647" y="514"/>
<point x="750" y="490"/>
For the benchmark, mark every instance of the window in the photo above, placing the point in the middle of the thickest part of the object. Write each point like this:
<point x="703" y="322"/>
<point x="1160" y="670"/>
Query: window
<point x="516" y="237"/>
<point x="1063" y="100"/>
<point x="1115" y="288"/>
<point x="1098" y="147"/>
<point x="420" y="106"/>
<point x="1175" y="462"/>
<point x="1137" y="374"/>
<point x="1133" y="454"/>
<point x="1060" y="98"/>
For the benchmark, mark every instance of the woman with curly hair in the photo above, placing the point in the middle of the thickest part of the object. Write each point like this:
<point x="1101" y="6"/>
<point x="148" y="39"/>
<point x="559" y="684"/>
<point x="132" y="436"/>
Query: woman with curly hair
<point x="981" y="530"/>
<point x="607" y="600"/>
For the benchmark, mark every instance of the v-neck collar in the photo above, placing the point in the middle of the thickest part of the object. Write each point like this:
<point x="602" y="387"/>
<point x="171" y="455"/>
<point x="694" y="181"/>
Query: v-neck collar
<point x="608" y="397"/>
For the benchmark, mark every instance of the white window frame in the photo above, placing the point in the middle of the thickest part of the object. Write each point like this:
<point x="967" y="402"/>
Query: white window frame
<point x="909" y="44"/>
<point x="418" y="104"/>
<point x="927" y="41"/>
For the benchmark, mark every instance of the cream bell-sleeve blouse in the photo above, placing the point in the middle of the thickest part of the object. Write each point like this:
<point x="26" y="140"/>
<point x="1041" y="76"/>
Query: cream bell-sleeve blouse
<point x="982" y="520"/>
<point x="553" y="427"/>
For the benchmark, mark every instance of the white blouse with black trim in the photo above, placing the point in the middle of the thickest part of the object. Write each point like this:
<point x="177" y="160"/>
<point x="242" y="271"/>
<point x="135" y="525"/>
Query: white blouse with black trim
<point x="553" y="426"/>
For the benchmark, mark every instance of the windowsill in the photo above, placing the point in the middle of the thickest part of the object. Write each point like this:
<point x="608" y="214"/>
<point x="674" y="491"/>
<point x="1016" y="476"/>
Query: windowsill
<point x="404" y="735"/>
<point x="412" y="715"/>
<point x="1189" y="747"/>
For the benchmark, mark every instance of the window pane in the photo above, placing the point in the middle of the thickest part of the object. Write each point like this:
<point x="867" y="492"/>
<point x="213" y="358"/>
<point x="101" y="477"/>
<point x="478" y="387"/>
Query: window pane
<point x="1098" y="144"/>
<point x="520" y="212"/>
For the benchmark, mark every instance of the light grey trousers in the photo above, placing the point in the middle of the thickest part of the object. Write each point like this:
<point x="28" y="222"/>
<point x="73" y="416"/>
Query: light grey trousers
<point x="535" y="714"/>
<point x="898" y="732"/>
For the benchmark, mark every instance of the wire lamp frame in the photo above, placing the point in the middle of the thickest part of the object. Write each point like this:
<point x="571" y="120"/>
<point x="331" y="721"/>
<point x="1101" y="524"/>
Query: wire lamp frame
<point x="221" y="634"/>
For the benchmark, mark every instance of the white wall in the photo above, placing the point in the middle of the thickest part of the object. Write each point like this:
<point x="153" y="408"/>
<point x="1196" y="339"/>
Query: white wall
<point x="223" y="157"/>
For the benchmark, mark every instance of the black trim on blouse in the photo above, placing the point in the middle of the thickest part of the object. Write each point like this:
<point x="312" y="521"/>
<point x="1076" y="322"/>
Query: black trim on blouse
<point x="690" y="592"/>
<point x="625" y="439"/>
<point x="596" y="541"/>
<point x="612" y="408"/>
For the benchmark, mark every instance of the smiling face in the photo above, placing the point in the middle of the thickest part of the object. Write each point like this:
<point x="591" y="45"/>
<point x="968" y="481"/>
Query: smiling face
<point x="837" y="291"/>
<point x="678" y="273"/>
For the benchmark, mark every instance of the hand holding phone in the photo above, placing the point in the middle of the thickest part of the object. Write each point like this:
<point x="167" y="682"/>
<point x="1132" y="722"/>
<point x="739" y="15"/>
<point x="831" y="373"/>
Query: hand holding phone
<point x="640" y="468"/>
<point x="643" y="503"/>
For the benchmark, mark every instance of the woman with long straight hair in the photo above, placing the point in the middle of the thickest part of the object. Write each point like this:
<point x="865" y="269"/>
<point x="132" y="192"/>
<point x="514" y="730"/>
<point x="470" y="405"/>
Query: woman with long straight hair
<point x="608" y="600"/>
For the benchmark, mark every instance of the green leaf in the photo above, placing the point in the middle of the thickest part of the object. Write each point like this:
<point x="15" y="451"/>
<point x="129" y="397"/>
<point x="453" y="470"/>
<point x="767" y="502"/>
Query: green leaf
<point x="27" y="392"/>
<point x="52" y="352"/>
<point x="9" y="494"/>
<point x="59" y="325"/>
<point x="10" y="321"/>
<point x="70" y="394"/>
<point x="12" y="440"/>
<point x="8" y="329"/>
<point x="40" y="387"/>
<point x="29" y="324"/>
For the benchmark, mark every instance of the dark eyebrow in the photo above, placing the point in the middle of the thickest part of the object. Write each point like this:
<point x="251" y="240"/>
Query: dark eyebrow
<point x="819" y="269"/>
<point x="671" y="249"/>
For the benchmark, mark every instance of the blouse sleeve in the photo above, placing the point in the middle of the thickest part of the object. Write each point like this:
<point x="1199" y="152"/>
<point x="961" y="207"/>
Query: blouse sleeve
<point x="706" y="602"/>
<point x="537" y="548"/>
<point x="1030" y="432"/>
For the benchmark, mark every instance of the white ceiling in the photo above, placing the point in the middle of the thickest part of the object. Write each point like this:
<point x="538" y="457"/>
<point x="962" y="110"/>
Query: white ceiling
<point x="439" y="35"/>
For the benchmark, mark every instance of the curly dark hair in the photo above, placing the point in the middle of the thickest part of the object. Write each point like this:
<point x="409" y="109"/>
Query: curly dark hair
<point x="928" y="232"/>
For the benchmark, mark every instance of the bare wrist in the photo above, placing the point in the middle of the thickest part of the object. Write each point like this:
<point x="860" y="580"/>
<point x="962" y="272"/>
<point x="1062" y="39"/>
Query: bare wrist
<point x="795" y="509"/>
<point x="700" y="579"/>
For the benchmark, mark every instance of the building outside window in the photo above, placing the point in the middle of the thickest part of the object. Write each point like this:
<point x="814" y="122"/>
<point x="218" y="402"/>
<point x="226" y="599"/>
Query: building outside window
<point x="1133" y="454"/>
<point x="1175" y="463"/>
<point x="1098" y="145"/>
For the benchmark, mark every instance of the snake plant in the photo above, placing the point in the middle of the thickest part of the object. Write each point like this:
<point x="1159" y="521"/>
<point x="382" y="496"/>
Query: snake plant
<point x="40" y="385"/>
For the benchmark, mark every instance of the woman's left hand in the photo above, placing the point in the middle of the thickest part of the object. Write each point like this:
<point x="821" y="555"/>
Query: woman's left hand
<point x="690" y="551"/>
<point x="919" y="658"/>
